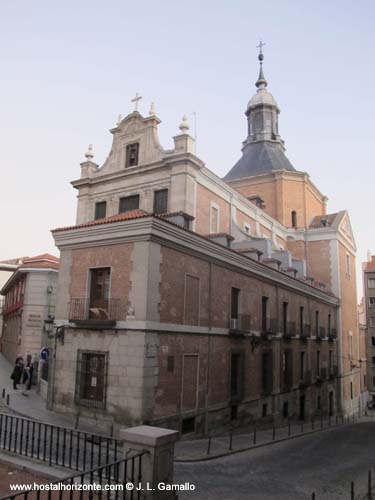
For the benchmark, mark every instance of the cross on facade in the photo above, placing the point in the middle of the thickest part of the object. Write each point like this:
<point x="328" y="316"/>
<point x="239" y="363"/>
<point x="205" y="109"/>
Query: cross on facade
<point x="135" y="100"/>
<point x="260" y="46"/>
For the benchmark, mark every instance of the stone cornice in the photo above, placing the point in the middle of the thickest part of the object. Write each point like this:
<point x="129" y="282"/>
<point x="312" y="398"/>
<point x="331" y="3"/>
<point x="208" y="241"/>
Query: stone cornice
<point x="169" y="234"/>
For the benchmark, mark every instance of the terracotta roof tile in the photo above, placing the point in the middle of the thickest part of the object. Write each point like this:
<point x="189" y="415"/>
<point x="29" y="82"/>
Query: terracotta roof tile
<point x="132" y="214"/>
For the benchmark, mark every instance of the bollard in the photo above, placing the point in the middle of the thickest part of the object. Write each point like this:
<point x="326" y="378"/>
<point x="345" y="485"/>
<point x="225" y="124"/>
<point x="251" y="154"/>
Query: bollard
<point x="352" y="490"/>
<point x="209" y="445"/>
<point x="321" y="422"/>
<point x="273" y="433"/>
<point x="337" y="420"/>
<point x="8" y="398"/>
<point x="301" y="427"/>
<point x="230" y="440"/>
<point x="312" y="424"/>
<point x="255" y="435"/>
<point x="329" y="421"/>
<point x="3" y="394"/>
<point x="313" y="496"/>
<point x="369" y="495"/>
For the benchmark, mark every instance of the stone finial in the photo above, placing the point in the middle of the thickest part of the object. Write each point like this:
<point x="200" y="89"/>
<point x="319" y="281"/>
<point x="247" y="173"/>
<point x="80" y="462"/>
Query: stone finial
<point x="184" y="125"/>
<point x="119" y="119"/>
<point x="89" y="153"/>
<point x="152" y="110"/>
<point x="368" y="255"/>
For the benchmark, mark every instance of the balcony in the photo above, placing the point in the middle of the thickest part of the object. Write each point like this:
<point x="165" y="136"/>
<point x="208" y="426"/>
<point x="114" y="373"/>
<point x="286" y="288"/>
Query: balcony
<point x="332" y="335"/>
<point x="241" y="324"/>
<point x="333" y="372"/>
<point x="306" y="379"/>
<point x="290" y="331"/>
<point x="321" y="333"/>
<point x="83" y="313"/>
<point x="305" y="334"/>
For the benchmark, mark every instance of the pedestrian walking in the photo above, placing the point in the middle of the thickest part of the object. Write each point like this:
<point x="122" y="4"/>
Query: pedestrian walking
<point x="26" y="379"/>
<point x="17" y="372"/>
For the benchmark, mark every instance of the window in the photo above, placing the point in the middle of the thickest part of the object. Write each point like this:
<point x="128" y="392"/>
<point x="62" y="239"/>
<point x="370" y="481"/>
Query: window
<point x="301" y="320"/>
<point x="214" y="219"/>
<point x="170" y="364"/>
<point x="373" y="341"/>
<point x="161" y="201"/>
<point x="267" y="372"/>
<point x="129" y="203"/>
<point x="373" y="360"/>
<point x="99" y="292"/>
<point x="317" y="323"/>
<point x="285" y="409"/>
<point x="264" y="410"/>
<point x="371" y="322"/>
<point x="236" y="376"/>
<point x="287" y="368"/>
<point x="264" y="313"/>
<point x="302" y="364"/>
<point x="285" y="317"/>
<point x="235" y="300"/>
<point x="348" y="264"/>
<point x="329" y="325"/>
<point x="371" y="283"/>
<point x="192" y="300"/>
<point x="91" y="378"/>
<point x="294" y="218"/>
<point x="350" y="339"/>
<point x="132" y="153"/>
<point x="371" y="302"/>
<point x="351" y="390"/>
<point x="330" y="360"/>
<point x="100" y="210"/>
<point x="318" y="403"/>
<point x="318" y="363"/>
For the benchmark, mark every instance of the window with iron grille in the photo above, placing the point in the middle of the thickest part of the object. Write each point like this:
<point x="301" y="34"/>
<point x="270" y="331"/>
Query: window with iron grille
<point x="100" y="210"/>
<point x="91" y="378"/>
<point x="129" y="203"/>
<point x="161" y="201"/>
<point x="132" y="154"/>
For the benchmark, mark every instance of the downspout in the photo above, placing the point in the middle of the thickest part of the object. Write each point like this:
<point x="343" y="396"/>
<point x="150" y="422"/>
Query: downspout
<point x="208" y="347"/>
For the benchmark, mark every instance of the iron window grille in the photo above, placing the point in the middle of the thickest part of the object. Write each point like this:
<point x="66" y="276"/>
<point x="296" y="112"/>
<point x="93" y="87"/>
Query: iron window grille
<point x="91" y="378"/>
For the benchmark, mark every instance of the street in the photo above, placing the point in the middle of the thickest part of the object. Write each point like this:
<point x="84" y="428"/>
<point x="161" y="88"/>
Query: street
<point x="324" y="463"/>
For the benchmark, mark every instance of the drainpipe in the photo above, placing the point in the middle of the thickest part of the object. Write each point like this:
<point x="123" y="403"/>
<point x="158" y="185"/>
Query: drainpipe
<point x="208" y="347"/>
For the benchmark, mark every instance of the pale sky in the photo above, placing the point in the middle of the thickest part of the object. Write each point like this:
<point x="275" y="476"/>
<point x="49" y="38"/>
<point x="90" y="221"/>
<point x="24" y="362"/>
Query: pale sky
<point x="69" y="68"/>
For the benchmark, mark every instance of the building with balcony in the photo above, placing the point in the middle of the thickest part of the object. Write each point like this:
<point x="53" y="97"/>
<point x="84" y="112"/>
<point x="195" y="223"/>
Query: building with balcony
<point x="29" y="307"/>
<point x="192" y="301"/>
<point x="367" y="319"/>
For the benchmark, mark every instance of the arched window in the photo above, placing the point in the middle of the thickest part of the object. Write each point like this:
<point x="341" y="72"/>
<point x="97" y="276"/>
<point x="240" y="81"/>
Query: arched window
<point x="294" y="218"/>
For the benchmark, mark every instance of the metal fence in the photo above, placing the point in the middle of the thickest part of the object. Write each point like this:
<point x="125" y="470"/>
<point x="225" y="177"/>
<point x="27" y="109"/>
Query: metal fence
<point x="107" y="481"/>
<point x="56" y="445"/>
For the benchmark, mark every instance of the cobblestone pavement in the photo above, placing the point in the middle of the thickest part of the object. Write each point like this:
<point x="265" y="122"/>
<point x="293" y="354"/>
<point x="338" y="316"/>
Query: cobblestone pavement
<point x="324" y="463"/>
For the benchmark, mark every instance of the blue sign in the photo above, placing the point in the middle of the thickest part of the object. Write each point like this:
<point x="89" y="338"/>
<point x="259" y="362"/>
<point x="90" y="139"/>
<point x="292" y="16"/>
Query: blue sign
<point x="44" y="353"/>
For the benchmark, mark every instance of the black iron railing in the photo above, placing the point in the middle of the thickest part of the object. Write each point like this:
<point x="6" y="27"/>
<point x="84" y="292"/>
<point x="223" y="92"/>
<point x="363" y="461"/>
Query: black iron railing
<point x="241" y="323"/>
<point x="81" y="309"/>
<point x="56" y="445"/>
<point x="106" y="481"/>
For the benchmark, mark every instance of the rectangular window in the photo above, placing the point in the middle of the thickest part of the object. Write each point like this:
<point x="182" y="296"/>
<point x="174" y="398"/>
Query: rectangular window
<point x="318" y="403"/>
<point x="214" y="223"/>
<point x="302" y="364"/>
<point x="192" y="300"/>
<point x="99" y="292"/>
<point x="132" y="154"/>
<point x="91" y="378"/>
<point x="329" y="325"/>
<point x="129" y="203"/>
<point x="264" y="313"/>
<point x="267" y="372"/>
<point x="371" y="301"/>
<point x="373" y="360"/>
<point x="348" y="264"/>
<point x="351" y="390"/>
<point x="301" y="320"/>
<point x="318" y="363"/>
<point x="285" y="317"/>
<point x="100" y="210"/>
<point x="373" y="341"/>
<point x="317" y="323"/>
<point x="161" y="201"/>
<point x="236" y="376"/>
<point x="285" y="409"/>
<point x="170" y="364"/>
<point x="287" y="369"/>
<point x="371" y="283"/>
<point x="235" y="303"/>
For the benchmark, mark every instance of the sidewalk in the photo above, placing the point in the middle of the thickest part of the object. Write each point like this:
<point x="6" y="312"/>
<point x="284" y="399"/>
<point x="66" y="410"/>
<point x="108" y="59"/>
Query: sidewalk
<point x="32" y="406"/>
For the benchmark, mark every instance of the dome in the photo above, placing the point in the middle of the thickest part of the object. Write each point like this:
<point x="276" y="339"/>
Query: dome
<point x="262" y="97"/>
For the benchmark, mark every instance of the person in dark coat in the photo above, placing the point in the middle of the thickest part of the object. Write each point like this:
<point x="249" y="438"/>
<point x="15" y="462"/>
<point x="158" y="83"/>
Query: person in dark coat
<point x="17" y="372"/>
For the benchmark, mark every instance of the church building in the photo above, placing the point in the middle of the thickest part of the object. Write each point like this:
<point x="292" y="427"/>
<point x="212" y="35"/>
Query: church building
<point x="194" y="302"/>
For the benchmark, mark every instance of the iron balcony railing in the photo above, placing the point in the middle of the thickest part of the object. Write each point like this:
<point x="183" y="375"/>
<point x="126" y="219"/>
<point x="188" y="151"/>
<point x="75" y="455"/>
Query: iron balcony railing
<point x="240" y="324"/>
<point x="81" y="309"/>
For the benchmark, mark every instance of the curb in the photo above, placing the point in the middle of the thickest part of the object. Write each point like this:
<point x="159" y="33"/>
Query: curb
<point x="260" y="445"/>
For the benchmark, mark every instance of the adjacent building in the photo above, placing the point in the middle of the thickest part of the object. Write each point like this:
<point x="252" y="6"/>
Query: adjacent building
<point x="192" y="301"/>
<point x="368" y="321"/>
<point x="29" y="307"/>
